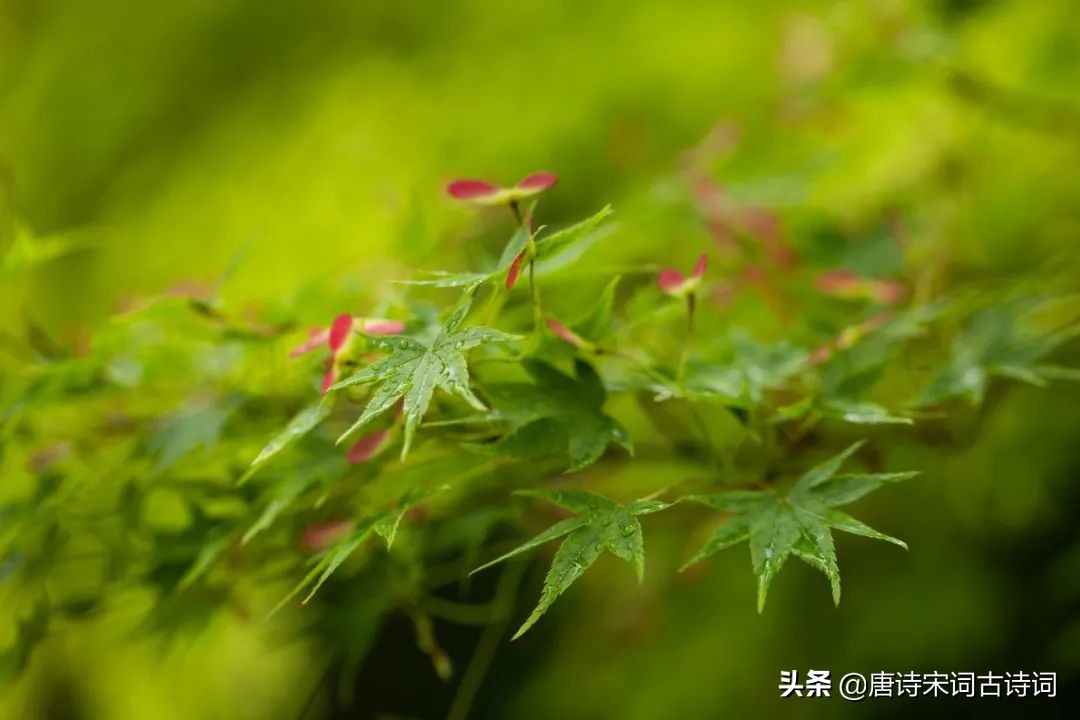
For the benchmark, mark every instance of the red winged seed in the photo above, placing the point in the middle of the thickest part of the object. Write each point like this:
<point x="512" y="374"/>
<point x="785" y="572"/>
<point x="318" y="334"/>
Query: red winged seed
<point x="469" y="189"/>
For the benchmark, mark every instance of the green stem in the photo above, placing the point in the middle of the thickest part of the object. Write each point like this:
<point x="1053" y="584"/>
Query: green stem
<point x="684" y="356"/>
<point x="494" y="305"/>
<point x="538" y="312"/>
<point x="429" y="645"/>
<point x="643" y="367"/>
<point x="680" y="372"/>
<point x="703" y="428"/>
<point x="525" y="222"/>
<point x="514" y="208"/>
<point x="312" y="699"/>
<point x="459" y="613"/>
<point x="767" y="433"/>
<point x="489" y="641"/>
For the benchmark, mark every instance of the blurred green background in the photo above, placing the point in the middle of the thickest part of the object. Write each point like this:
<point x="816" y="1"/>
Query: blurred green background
<point x="310" y="140"/>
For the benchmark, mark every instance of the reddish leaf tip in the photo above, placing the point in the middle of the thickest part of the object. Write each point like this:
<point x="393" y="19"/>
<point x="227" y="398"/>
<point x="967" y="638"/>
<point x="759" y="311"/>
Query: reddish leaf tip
<point x="379" y="326"/>
<point x="366" y="447"/>
<point x="820" y="355"/>
<point x="538" y="181"/>
<point x="328" y="379"/>
<point x="317" y="337"/>
<point x="700" y="266"/>
<point x="322" y="535"/>
<point x="837" y="282"/>
<point x="670" y="280"/>
<point x="850" y="285"/>
<point x="339" y="331"/>
<point x="469" y="189"/>
<point x="563" y="333"/>
<point x="515" y="270"/>
<point x="888" y="292"/>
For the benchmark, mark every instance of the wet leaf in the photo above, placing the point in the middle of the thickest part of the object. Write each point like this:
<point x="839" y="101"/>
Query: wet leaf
<point x="557" y="415"/>
<point x="997" y="342"/>
<point x="599" y="525"/>
<point x="383" y="523"/>
<point x="852" y="411"/>
<point x="286" y="491"/>
<point x="412" y="370"/>
<point x="799" y="523"/>
<point x="451" y="280"/>
<point x="301" y="424"/>
<point x="743" y="377"/>
<point x="863" y="413"/>
<point x="597" y="322"/>
<point x="560" y="241"/>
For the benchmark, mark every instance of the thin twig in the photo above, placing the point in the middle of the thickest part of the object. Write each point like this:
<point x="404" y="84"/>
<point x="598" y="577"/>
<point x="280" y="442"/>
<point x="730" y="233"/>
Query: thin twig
<point x="488" y="643"/>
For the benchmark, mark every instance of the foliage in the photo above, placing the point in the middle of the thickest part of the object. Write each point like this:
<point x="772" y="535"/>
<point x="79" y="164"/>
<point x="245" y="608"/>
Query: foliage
<point x="411" y="371"/>
<point x="798" y="523"/>
<point x="538" y="397"/>
<point x="861" y="251"/>
<point x="600" y="524"/>
<point x="556" y="413"/>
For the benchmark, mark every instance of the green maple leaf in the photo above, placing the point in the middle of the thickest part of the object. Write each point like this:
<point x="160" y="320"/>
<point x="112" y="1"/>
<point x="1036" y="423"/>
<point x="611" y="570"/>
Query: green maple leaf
<point x="383" y="523"/>
<point x="600" y="524"/>
<point x="596" y="323"/>
<point x="467" y="280"/>
<point x="286" y="491"/>
<point x="190" y="429"/>
<point x="564" y="241"/>
<point x="413" y="369"/>
<point x="472" y="280"/>
<point x="29" y="633"/>
<point x="550" y="252"/>
<point x="301" y="424"/>
<point x="799" y="523"/>
<point x="744" y="378"/>
<point x="857" y="412"/>
<point x="862" y="412"/>
<point x="557" y="415"/>
<point x="999" y="341"/>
